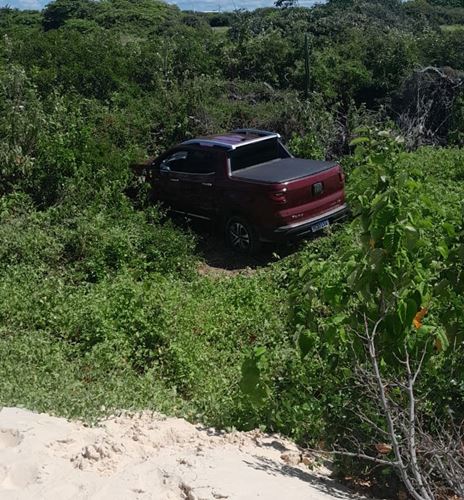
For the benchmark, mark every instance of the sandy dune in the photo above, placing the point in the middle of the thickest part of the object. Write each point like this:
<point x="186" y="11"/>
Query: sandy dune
<point x="148" y="457"/>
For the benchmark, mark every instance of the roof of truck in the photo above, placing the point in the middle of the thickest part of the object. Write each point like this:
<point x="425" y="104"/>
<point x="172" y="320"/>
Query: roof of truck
<point x="235" y="139"/>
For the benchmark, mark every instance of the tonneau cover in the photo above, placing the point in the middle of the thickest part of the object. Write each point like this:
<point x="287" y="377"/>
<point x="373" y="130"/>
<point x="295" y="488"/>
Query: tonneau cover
<point x="283" y="170"/>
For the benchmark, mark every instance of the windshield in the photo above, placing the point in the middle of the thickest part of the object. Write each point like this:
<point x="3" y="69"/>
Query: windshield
<point x="254" y="154"/>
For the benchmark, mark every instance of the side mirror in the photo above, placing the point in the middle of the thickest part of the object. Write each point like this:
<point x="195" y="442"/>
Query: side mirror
<point x="164" y="167"/>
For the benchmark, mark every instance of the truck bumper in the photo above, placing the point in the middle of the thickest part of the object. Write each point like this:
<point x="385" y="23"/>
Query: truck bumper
<point x="305" y="227"/>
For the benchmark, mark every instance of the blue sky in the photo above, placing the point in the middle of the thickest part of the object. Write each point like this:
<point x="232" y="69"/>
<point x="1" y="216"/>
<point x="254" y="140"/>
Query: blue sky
<point x="183" y="4"/>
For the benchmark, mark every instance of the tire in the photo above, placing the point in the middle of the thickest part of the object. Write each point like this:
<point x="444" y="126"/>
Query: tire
<point x="241" y="236"/>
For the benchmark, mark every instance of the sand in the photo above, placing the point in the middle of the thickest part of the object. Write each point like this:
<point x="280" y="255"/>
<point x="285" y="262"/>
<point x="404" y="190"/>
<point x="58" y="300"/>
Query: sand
<point x="148" y="456"/>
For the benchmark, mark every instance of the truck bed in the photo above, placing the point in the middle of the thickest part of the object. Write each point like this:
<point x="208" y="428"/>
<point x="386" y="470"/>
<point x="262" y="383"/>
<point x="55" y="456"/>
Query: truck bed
<point x="283" y="170"/>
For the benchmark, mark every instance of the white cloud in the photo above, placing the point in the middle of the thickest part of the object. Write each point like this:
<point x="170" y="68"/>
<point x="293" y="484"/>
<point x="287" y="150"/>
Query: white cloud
<point x="23" y="4"/>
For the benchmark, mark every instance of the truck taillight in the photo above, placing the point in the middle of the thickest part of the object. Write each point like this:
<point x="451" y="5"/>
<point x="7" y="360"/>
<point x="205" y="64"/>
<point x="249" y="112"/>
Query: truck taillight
<point x="279" y="197"/>
<point x="341" y="176"/>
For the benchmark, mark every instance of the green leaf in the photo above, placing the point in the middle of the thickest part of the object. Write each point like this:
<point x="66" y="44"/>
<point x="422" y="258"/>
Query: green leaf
<point x="393" y="325"/>
<point x="416" y="296"/>
<point x="443" y="250"/>
<point x="306" y="342"/>
<point x="441" y="340"/>
<point x="390" y="238"/>
<point x="359" y="140"/>
<point x="250" y="376"/>
<point x="411" y="237"/>
<point x="338" y="319"/>
<point x="411" y="310"/>
<point x="449" y="228"/>
<point x="426" y="330"/>
<point x="331" y="335"/>
<point x="332" y="295"/>
<point x="362" y="129"/>
<point x="251" y="383"/>
<point x="260" y="351"/>
<point x="441" y="287"/>
<point x="376" y="256"/>
<point x="258" y="396"/>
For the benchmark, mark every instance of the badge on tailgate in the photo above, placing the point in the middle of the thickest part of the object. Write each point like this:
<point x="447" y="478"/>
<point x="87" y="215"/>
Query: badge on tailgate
<point x="318" y="188"/>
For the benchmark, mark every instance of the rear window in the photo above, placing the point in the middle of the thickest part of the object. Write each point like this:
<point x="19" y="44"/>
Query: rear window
<point x="254" y="154"/>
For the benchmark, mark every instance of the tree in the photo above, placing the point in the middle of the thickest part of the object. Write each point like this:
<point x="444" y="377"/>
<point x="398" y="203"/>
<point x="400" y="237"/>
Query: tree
<point x="286" y="3"/>
<point x="58" y="12"/>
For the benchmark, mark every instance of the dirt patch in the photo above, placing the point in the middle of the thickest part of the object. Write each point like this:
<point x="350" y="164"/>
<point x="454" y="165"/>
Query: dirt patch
<point x="219" y="260"/>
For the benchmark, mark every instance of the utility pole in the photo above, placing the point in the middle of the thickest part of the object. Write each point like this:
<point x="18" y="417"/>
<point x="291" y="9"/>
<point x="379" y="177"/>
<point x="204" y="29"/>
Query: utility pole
<point x="306" y="57"/>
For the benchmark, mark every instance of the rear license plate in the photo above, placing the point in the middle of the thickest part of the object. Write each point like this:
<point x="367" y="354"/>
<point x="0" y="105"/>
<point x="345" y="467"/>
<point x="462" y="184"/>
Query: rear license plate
<point x="320" y="225"/>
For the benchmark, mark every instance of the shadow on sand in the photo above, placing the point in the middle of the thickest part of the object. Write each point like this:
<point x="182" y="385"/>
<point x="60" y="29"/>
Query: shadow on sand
<point x="323" y="484"/>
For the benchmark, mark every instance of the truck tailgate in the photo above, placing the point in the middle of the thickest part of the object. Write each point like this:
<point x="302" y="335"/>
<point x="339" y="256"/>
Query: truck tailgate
<point x="314" y="188"/>
<point x="312" y="196"/>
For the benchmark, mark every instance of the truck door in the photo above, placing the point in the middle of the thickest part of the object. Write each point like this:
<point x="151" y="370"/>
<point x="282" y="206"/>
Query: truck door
<point x="198" y="182"/>
<point x="166" y="181"/>
<point x="186" y="181"/>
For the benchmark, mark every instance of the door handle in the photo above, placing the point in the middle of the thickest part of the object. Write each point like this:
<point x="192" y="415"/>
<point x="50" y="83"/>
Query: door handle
<point x="174" y="180"/>
<point x="207" y="184"/>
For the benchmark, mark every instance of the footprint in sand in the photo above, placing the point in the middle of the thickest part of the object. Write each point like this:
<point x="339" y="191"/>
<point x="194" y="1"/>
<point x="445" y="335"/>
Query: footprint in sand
<point x="18" y="476"/>
<point x="9" y="438"/>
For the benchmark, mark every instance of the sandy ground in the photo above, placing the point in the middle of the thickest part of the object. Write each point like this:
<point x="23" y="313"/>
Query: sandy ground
<point x="149" y="457"/>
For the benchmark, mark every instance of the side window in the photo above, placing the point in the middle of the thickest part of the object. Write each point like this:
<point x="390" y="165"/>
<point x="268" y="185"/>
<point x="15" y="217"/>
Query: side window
<point x="192" y="162"/>
<point x="175" y="162"/>
<point x="202" y="162"/>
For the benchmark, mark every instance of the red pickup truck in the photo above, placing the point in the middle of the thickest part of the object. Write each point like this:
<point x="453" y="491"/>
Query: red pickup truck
<point x="249" y="182"/>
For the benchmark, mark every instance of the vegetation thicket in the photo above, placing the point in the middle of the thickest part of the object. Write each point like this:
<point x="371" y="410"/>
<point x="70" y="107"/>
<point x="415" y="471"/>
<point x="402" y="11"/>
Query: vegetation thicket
<point x="101" y="303"/>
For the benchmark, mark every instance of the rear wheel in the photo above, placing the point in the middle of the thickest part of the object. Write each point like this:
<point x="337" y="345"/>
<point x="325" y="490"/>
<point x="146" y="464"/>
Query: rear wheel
<point x="241" y="236"/>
